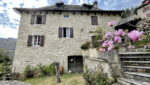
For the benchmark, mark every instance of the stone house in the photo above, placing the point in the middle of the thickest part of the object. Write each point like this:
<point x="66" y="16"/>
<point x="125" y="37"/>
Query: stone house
<point x="143" y="11"/>
<point x="55" y="33"/>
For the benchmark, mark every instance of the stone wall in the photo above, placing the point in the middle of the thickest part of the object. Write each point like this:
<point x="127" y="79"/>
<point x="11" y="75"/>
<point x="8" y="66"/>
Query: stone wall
<point x="107" y="61"/>
<point x="56" y="49"/>
<point x="144" y="12"/>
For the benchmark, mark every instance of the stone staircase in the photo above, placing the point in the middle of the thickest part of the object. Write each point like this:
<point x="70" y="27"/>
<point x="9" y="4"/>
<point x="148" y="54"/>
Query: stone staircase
<point x="135" y="68"/>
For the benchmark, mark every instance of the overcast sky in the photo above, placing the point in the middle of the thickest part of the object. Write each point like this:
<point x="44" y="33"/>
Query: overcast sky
<point x="9" y="20"/>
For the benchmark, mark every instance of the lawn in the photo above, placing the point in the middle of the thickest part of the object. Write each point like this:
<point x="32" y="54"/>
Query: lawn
<point x="67" y="79"/>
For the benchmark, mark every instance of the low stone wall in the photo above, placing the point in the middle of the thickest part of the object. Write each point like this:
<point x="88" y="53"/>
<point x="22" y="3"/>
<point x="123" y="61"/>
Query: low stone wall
<point x="108" y="62"/>
<point x="94" y="64"/>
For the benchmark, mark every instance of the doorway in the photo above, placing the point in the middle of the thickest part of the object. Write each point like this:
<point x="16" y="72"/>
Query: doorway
<point x="75" y="64"/>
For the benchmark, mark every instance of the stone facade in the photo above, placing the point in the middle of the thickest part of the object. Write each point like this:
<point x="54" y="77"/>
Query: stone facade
<point x="144" y="11"/>
<point x="55" y="48"/>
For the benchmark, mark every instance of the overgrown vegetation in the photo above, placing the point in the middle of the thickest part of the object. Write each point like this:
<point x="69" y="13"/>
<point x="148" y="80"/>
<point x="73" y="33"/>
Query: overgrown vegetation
<point x="128" y="12"/>
<point x="96" y="78"/>
<point x="40" y="70"/>
<point x="85" y="46"/>
<point x="5" y="63"/>
<point x="97" y="36"/>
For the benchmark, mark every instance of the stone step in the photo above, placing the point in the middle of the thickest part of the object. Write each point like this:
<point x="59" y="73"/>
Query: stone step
<point x="142" y="69"/>
<point x="137" y="67"/>
<point x="125" y="81"/>
<point x="133" y="57"/>
<point x="137" y="76"/>
<point x="136" y="61"/>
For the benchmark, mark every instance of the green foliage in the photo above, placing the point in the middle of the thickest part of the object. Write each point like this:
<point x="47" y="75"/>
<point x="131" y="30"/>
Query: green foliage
<point x="40" y="70"/>
<point x="46" y="70"/>
<point x="85" y="46"/>
<point x="98" y="35"/>
<point x="28" y="72"/>
<point x="126" y="13"/>
<point x="5" y="63"/>
<point x="4" y="57"/>
<point x="96" y="78"/>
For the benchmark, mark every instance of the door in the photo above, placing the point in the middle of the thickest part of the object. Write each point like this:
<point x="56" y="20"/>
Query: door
<point x="75" y="64"/>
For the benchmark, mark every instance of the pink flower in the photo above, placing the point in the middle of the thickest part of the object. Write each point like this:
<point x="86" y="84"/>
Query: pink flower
<point x="111" y="23"/>
<point x="105" y="44"/>
<point x="119" y="32"/>
<point x="134" y="35"/>
<point x="110" y="42"/>
<point x="102" y="50"/>
<point x="117" y="39"/>
<point x="108" y="34"/>
<point x="110" y="48"/>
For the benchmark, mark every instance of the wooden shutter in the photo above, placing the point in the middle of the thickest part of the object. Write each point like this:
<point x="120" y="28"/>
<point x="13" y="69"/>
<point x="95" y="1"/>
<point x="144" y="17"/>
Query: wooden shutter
<point x="32" y="19"/>
<point x="42" y="40"/>
<point x="44" y="19"/>
<point x="60" y="32"/>
<point x="29" y="42"/>
<point x="94" y="20"/>
<point x="71" y="32"/>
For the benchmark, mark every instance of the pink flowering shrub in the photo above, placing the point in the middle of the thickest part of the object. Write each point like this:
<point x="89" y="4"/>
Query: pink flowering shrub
<point x="112" y="39"/>
<point x="112" y="23"/>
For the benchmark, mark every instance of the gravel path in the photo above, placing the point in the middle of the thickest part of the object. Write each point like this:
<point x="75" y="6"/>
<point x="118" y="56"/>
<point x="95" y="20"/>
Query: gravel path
<point x="12" y="83"/>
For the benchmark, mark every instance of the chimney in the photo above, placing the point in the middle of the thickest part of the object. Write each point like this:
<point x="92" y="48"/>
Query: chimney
<point x="95" y="4"/>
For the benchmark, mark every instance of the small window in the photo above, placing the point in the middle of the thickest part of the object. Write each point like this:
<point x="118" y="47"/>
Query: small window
<point x="66" y="16"/>
<point x="37" y="40"/>
<point x="65" y="32"/>
<point x="94" y="20"/>
<point x="39" y="19"/>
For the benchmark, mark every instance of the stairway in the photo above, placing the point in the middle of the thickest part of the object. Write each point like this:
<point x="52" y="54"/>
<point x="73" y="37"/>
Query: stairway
<point x="135" y="68"/>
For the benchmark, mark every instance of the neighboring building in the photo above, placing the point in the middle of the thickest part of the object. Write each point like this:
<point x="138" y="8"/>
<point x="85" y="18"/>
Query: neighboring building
<point x="55" y="33"/>
<point x="8" y="44"/>
<point x="143" y="11"/>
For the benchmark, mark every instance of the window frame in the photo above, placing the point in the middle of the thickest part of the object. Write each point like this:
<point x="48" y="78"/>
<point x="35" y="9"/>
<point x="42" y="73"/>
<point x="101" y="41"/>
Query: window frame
<point x="94" y="20"/>
<point x="36" y="40"/>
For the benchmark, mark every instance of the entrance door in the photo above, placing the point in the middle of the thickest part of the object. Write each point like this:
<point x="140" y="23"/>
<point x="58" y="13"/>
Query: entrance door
<point x="75" y="63"/>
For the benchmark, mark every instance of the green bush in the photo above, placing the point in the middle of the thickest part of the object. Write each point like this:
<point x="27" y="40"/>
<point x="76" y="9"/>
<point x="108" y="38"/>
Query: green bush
<point x="96" y="78"/>
<point x="85" y="46"/>
<point x="40" y="70"/>
<point x="46" y="70"/>
<point x="28" y="72"/>
<point x="5" y="63"/>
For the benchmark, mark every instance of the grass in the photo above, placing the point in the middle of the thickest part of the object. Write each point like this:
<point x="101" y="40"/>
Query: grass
<point x="67" y="79"/>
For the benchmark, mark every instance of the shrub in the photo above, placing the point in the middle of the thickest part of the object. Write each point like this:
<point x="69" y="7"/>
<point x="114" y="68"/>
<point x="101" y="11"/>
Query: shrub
<point x="16" y="76"/>
<point x="42" y="69"/>
<point x="85" y="46"/>
<point x="96" y="78"/>
<point x="51" y="69"/>
<point x="28" y="73"/>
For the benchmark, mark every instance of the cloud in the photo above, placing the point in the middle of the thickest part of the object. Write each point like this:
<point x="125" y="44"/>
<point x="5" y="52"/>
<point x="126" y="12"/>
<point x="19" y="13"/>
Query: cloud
<point x="9" y="20"/>
<point x="6" y="32"/>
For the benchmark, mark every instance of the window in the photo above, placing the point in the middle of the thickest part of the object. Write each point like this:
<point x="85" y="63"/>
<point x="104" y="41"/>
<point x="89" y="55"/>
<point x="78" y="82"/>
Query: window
<point x="37" y="40"/>
<point x="39" y="19"/>
<point x="65" y="32"/>
<point x="66" y="16"/>
<point x="94" y="20"/>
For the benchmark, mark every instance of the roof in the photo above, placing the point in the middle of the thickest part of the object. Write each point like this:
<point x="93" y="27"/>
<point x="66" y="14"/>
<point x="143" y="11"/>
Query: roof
<point x="128" y="19"/>
<point x="64" y="7"/>
<point x="144" y="3"/>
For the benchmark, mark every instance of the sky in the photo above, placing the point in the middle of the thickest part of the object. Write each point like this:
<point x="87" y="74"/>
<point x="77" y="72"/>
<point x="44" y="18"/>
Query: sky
<point x="9" y="19"/>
